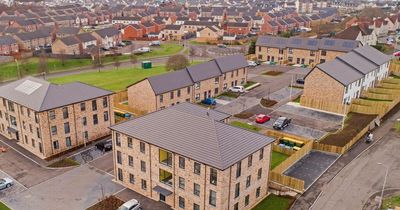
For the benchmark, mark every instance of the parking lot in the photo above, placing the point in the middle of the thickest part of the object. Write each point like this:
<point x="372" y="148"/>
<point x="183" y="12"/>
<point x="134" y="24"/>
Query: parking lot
<point x="14" y="189"/>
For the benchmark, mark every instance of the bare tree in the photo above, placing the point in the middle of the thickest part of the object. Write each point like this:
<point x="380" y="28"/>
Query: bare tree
<point x="23" y="67"/>
<point x="96" y="57"/>
<point x="133" y="58"/>
<point x="42" y="67"/>
<point x="115" y="58"/>
<point x="62" y="57"/>
<point x="192" y="52"/>
<point x="176" y="62"/>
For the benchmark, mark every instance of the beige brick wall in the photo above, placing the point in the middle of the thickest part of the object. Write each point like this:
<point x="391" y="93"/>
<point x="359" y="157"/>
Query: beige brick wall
<point x="226" y="179"/>
<point x="141" y="96"/>
<point x="167" y="101"/>
<point x="59" y="47"/>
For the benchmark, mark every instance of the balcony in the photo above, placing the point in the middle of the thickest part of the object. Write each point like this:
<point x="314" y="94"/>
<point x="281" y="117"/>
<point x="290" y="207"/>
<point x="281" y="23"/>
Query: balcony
<point x="165" y="158"/>
<point x="165" y="177"/>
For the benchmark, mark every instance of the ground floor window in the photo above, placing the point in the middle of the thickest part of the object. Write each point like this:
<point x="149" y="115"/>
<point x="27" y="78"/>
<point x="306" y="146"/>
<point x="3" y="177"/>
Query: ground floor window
<point x="162" y="197"/>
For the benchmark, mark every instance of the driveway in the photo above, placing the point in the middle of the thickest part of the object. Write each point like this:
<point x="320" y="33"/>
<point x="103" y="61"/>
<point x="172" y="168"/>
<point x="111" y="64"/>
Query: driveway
<point x="79" y="188"/>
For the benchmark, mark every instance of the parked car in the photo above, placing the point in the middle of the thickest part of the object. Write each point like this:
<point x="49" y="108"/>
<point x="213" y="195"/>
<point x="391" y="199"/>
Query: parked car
<point x="252" y="63"/>
<point x="155" y="43"/>
<point x="130" y="205"/>
<point x="104" y="145"/>
<point x="300" y="81"/>
<point x="143" y="50"/>
<point x="5" y="183"/>
<point x="209" y="101"/>
<point x="262" y="118"/>
<point x="237" y="89"/>
<point x="281" y="123"/>
<point x="221" y="45"/>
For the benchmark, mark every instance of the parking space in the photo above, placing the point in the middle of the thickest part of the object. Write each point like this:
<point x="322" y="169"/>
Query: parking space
<point x="14" y="189"/>
<point x="88" y="155"/>
<point x="146" y="203"/>
<point x="104" y="163"/>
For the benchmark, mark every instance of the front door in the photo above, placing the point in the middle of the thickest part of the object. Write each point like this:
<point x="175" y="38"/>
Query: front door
<point x="205" y="94"/>
<point x="17" y="136"/>
<point x="162" y="197"/>
<point x="209" y="93"/>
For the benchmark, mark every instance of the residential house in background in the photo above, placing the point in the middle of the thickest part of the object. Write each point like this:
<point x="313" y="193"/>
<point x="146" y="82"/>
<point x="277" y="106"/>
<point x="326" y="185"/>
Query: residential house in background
<point x="108" y="37"/>
<point x="209" y="33"/>
<point x="172" y="32"/>
<point x="359" y="33"/>
<point x="32" y="40"/>
<point x="132" y="32"/>
<point x="8" y="45"/>
<point x="48" y="119"/>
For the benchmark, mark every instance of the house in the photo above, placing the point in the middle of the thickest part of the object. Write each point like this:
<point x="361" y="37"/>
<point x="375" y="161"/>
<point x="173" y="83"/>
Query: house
<point x="132" y="32"/>
<point x="238" y="28"/>
<point x="192" y="84"/>
<point x="69" y="45"/>
<point x="27" y="25"/>
<point x="108" y="37"/>
<point x="8" y="45"/>
<point x="48" y="119"/>
<point x="33" y="40"/>
<point x="359" y="33"/>
<point x="209" y="33"/>
<point x="87" y="41"/>
<point x="64" y="21"/>
<point x="126" y="20"/>
<point x="81" y="20"/>
<point x="193" y="166"/>
<point x="148" y="27"/>
<point x="270" y="27"/>
<point x="332" y="85"/>
<point x="67" y="31"/>
<point x="194" y="26"/>
<point x="172" y="32"/>
<point x="301" y="51"/>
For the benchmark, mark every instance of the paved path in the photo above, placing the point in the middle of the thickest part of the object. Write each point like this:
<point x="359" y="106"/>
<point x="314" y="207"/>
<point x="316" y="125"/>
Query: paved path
<point x="347" y="184"/>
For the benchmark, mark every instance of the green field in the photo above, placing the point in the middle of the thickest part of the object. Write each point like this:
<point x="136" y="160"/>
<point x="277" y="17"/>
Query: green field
<point x="277" y="158"/>
<point x="3" y="206"/>
<point x="391" y="202"/>
<point x="274" y="202"/>
<point x="30" y="67"/>
<point x="245" y="126"/>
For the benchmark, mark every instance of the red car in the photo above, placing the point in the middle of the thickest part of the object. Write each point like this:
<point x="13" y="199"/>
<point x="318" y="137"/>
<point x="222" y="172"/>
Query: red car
<point x="262" y="118"/>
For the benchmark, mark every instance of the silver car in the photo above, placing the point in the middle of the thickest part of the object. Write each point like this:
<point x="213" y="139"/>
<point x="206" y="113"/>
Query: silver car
<point x="130" y="205"/>
<point x="5" y="183"/>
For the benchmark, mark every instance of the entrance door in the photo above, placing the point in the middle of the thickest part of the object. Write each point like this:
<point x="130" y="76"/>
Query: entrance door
<point x="17" y="135"/>
<point x="209" y="93"/>
<point x="205" y="94"/>
<point x="162" y="197"/>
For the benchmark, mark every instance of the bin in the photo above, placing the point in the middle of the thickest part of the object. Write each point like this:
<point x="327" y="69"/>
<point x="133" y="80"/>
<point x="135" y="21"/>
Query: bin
<point x="146" y="65"/>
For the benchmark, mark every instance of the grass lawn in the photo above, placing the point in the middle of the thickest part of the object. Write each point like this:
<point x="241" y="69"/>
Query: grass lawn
<point x="272" y="73"/>
<point x="397" y="126"/>
<point x="277" y="158"/>
<point x="297" y="100"/>
<point x="245" y="126"/>
<point x="3" y="206"/>
<point x="274" y="202"/>
<point x="249" y="83"/>
<point x="391" y="202"/>
<point x="229" y="94"/>
<point x="67" y="162"/>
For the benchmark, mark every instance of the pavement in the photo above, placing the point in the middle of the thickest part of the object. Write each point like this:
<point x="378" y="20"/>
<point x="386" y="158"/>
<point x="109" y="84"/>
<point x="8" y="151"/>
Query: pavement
<point x="355" y="176"/>
<point x="146" y="203"/>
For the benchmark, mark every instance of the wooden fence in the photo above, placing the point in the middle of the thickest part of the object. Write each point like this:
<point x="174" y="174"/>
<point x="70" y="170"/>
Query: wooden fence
<point x="283" y="150"/>
<point x="291" y="182"/>
<point x="278" y="135"/>
<point x="323" y="105"/>
<point x="294" y="158"/>
<point x="119" y="104"/>
<point x="394" y="67"/>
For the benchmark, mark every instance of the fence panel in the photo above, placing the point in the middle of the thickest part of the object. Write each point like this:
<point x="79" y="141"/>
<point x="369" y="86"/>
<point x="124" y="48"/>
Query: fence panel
<point x="294" y="158"/>
<point x="296" y="184"/>
<point x="283" y="150"/>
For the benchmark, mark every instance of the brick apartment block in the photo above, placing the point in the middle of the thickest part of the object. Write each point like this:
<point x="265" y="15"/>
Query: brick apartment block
<point x="192" y="84"/>
<point x="47" y="119"/>
<point x="343" y="79"/>
<point x="188" y="158"/>
<point x="301" y="50"/>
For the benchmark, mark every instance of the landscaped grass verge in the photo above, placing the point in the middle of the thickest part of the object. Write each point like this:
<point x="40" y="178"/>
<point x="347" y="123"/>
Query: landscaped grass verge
<point x="66" y="162"/>
<point x="3" y="206"/>
<point x="277" y="158"/>
<point x="109" y="203"/>
<point x="397" y="127"/>
<point x="297" y="100"/>
<point x="274" y="202"/>
<point x="244" y="115"/>
<point x="245" y="126"/>
<point x="229" y="94"/>
<point x="272" y="73"/>
<point x="391" y="202"/>
<point x="249" y="83"/>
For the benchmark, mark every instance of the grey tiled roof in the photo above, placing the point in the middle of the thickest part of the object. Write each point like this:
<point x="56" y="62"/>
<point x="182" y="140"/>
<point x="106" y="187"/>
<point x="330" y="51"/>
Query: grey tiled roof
<point x="109" y="32"/>
<point x="86" y="37"/>
<point x="200" y="111"/>
<point x="202" y="139"/>
<point x="170" y="81"/>
<point x="204" y="71"/>
<point x="70" y="40"/>
<point x="49" y="96"/>
<point x="233" y="62"/>
<point x="358" y="62"/>
<point x="7" y="40"/>
<point x="340" y="71"/>
<point x="372" y="54"/>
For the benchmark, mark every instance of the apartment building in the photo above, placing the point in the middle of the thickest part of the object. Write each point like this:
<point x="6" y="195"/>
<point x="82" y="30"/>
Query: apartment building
<point x="192" y="84"/>
<point x="47" y="119"/>
<point x="202" y="164"/>
<point x="304" y="51"/>
<point x="343" y="79"/>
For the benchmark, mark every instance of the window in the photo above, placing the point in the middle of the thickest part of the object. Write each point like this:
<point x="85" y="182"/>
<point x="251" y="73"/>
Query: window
<point x="144" y="184"/>
<point x="162" y="197"/>
<point x="130" y="142"/>
<point x="196" y="189"/>
<point x="40" y="147"/>
<point x="52" y="115"/>
<point x="119" y="157"/>
<point x="213" y="198"/>
<point x="197" y="97"/>
<point x="120" y="175"/>
<point x="105" y="102"/>
<point x="130" y="161"/>
<point x="261" y="154"/>
<point x="182" y="162"/>
<point x="197" y="85"/>
<point x="246" y="200"/>
<point x="178" y="93"/>
<point x="213" y="176"/>
<point x="55" y="145"/>
<point x="165" y="157"/>
<point x="197" y="168"/>
<point x="95" y="119"/>
<point x="65" y="112"/>
<point x="281" y="51"/>
<point x="181" y="202"/>
<point x="237" y="190"/>
<point x="161" y="98"/>
<point x="85" y="135"/>
<point x="143" y="166"/>
<point x="258" y="192"/>
<point x="248" y="181"/>
<point x="68" y="141"/>
<point x="232" y="74"/>
<point x="142" y="147"/>
<point x="216" y="80"/>
<point x="196" y="206"/>
<point x="165" y="177"/>
<point x="94" y="105"/>
<point x="53" y="130"/>
<point x="323" y="52"/>
<point x="188" y="90"/>
<point x="225" y="86"/>
<point x="312" y="53"/>
<point x="118" y="139"/>
<point x="216" y="91"/>
<point x="290" y="50"/>
<point x="236" y="206"/>
<point x="131" y="178"/>
<point x="259" y="173"/>
<point x="38" y="133"/>
<point x="84" y="121"/>
<point x="11" y="106"/>
<point x="322" y="61"/>
<point x="171" y="95"/>
<point x="83" y="106"/>
<point x="66" y="128"/>
<point x="181" y="183"/>
<point x="105" y="116"/>
<point x="290" y="59"/>
<point x="250" y="161"/>
<point x="238" y="169"/>
<point x="33" y="142"/>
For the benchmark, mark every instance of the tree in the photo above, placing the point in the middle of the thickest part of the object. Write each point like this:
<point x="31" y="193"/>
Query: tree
<point x="192" y="52"/>
<point x="132" y="56"/>
<point x="115" y="58"/>
<point x="96" y="57"/>
<point x="42" y="67"/>
<point x="176" y="62"/>
<point x="252" y="47"/>
<point x="62" y="57"/>
<point x="23" y="67"/>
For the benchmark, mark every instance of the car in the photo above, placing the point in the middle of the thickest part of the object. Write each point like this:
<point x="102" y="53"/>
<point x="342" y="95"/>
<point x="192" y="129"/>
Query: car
<point x="281" y="123"/>
<point x="104" y="145"/>
<point x="262" y="118"/>
<point x="252" y="63"/>
<point x="300" y="81"/>
<point x="130" y="205"/>
<point x="143" y="50"/>
<point x="237" y="89"/>
<point x="155" y="43"/>
<point x="6" y="183"/>
<point x="209" y="101"/>
<point x="221" y="45"/>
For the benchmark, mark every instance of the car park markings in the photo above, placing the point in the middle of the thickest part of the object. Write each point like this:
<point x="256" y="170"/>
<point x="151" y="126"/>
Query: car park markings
<point x="19" y="183"/>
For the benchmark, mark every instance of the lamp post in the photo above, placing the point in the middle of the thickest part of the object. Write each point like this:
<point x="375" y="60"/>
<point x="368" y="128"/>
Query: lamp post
<point x="384" y="183"/>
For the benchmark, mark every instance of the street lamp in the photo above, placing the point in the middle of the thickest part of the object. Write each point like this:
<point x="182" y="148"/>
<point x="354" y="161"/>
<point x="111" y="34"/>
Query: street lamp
<point x="384" y="183"/>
